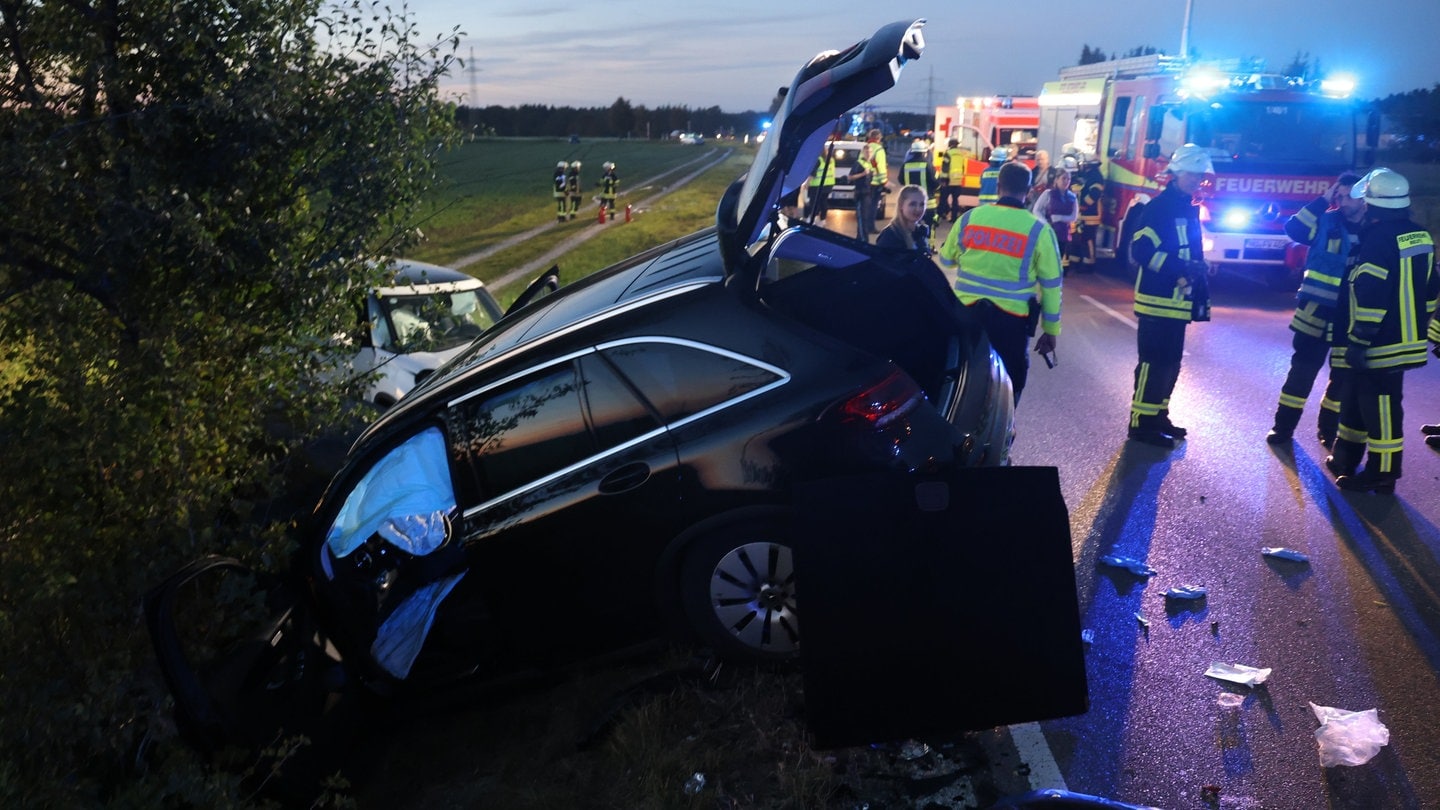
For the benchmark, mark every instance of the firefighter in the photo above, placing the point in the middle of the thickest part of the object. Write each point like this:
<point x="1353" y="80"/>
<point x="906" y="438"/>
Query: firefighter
<point x="988" y="178"/>
<point x="1386" y="301"/>
<point x="1007" y="271"/>
<point x="561" y="196"/>
<point x="1171" y="290"/>
<point x="1091" y="194"/>
<point x="946" y="193"/>
<point x="817" y="200"/>
<point x="572" y="187"/>
<point x="609" y="184"/>
<point x="869" y="176"/>
<point x="1330" y="226"/>
<point x="919" y="170"/>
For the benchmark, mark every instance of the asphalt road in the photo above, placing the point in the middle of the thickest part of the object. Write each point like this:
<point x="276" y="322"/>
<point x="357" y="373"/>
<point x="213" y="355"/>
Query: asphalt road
<point x="1356" y="628"/>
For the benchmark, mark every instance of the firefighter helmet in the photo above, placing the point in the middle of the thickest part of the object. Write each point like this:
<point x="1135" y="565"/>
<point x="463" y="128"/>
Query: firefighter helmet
<point x="607" y="165"/>
<point x="1383" y="188"/>
<point x="575" y="165"/>
<point x="1070" y="163"/>
<point x="1190" y="158"/>
<point x="999" y="155"/>
<point x="562" y="164"/>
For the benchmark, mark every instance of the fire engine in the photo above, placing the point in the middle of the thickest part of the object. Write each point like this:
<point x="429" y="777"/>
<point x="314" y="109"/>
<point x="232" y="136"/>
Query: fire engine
<point x="1277" y="142"/>
<point x="980" y="125"/>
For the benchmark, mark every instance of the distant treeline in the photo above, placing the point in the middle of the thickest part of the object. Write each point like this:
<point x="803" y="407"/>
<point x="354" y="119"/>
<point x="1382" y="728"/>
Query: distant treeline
<point x="623" y="120"/>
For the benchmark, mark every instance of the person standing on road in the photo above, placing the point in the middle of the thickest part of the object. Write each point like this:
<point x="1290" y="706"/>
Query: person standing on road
<point x="1007" y="269"/>
<point x="817" y="201"/>
<point x="946" y="195"/>
<point x="609" y="187"/>
<point x="572" y="187"/>
<point x="1330" y="226"/>
<point x="1171" y="290"/>
<point x="990" y="178"/>
<point x="561" y="195"/>
<point x="1386" y="302"/>
<point x="1091" y="196"/>
<point x="908" y="230"/>
<point x="1057" y="206"/>
<point x="919" y="170"/>
<point x="869" y="176"/>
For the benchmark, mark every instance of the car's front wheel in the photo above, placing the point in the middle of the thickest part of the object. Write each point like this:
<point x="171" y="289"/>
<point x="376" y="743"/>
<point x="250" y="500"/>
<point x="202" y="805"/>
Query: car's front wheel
<point x="738" y="588"/>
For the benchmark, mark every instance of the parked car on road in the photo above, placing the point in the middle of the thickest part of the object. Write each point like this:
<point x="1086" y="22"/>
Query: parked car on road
<point x="842" y="194"/>
<point x="619" y="459"/>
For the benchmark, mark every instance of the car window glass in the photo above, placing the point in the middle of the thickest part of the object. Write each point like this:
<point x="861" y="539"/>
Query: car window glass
<point x="616" y="414"/>
<point x="523" y="430"/>
<point x="404" y="498"/>
<point x="681" y="380"/>
<point x="379" y="325"/>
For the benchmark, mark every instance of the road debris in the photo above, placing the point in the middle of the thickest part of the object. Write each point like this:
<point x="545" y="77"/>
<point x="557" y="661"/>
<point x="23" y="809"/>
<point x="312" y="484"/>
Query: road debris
<point x="1134" y="566"/>
<point x="1348" y="738"/>
<point x="1282" y="553"/>
<point x="1187" y="593"/>
<point x="1238" y="673"/>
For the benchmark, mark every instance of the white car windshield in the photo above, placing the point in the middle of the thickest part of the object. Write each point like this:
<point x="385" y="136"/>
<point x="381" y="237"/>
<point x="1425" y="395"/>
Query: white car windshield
<point x="428" y="322"/>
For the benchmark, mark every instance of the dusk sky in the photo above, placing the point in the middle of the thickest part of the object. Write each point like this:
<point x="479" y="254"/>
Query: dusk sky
<point x="735" y="54"/>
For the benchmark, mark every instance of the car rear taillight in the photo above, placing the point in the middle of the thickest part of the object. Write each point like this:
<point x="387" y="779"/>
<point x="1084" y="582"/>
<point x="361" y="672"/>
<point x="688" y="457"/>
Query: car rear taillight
<point x="883" y="403"/>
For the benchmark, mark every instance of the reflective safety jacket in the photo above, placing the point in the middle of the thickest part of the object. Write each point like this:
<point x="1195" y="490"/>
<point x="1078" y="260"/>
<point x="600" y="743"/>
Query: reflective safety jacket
<point x="572" y="181"/>
<point x="942" y="175"/>
<point x="872" y="160"/>
<point x="609" y="185"/>
<point x="920" y="172"/>
<point x="824" y="170"/>
<point x="1332" y="242"/>
<point x="1006" y="255"/>
<point x="559" y="183"/>
<point x="1167" y="242"/>
<point x="1090" y="193"/>
<point x="1390" y="296"/>
<point x="990" y="184"/>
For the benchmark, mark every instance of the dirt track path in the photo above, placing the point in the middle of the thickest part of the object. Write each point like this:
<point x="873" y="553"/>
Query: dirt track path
<point x="705" y="161"/>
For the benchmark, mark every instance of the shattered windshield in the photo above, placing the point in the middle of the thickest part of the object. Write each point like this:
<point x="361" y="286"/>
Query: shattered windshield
<point x="428" y="322"/>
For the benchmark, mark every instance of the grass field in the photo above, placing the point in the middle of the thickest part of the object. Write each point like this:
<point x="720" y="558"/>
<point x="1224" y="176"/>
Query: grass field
<point x="496" y="189"/>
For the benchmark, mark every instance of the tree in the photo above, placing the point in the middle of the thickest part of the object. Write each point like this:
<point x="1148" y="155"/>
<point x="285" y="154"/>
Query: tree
<point x="622" y="118"/>
<point x="191" y="193"/>
<point x="1090" y="56"/>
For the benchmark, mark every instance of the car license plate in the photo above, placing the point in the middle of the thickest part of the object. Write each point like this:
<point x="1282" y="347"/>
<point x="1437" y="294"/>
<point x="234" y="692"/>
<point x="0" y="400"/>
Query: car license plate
<point x="1266" y="244"/>
<point x="841" y="195"/>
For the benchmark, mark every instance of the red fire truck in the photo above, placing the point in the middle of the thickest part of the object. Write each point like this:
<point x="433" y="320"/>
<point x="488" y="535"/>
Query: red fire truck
<point x="1277" y="142"/>
<point x="981" y="124"/>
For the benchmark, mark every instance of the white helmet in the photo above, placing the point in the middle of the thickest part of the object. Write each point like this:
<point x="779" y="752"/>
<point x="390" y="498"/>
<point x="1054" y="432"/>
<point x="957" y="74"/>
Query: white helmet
<point x="575" y="165"/>
<point x="607" y="165"/>
<point x="1190" y="158"/>
<point x="1383" y="188"/>
<point x="1000" y="155"/>
<point x="1070" y="164"/>
<point x="562" y="164"/>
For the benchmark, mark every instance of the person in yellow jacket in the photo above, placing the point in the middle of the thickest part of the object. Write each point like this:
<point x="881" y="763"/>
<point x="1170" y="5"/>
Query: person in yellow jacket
<point x="1007" y="266"/>
<point x="817" y="199"/>
<point x="869" y="176"/>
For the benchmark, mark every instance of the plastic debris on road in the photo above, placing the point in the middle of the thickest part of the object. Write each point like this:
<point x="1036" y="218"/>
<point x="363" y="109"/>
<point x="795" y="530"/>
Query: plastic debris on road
<point x="1230" y="700"/>
<point x="1282" y="553"/>
<point x="1187" y="592"/>
<point x="1238" y="673"/>
<point x="1087" y="635"/>
<point x="694" y="784"/>
<point x="1144" y="622"/>
<point x="1348" y="738"/>
<point x="1134" y="566"/>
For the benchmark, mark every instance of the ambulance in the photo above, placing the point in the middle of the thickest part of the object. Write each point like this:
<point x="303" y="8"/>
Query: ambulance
<point x="980" y="124"/>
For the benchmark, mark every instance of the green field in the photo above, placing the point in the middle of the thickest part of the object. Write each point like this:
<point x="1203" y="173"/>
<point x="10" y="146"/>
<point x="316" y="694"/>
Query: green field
<point x="493" y="190"/>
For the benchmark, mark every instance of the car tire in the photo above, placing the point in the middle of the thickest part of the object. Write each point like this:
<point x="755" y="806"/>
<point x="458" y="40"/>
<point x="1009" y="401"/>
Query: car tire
<point x="737" y="586"/>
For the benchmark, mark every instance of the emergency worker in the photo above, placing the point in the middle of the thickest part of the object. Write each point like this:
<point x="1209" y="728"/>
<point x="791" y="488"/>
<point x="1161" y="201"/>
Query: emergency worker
<point x="572" y="187"/>
<point x="989" y="179"/>
<point x="946" y="191"/>
<point x="1386" y="302"/>
<point x="919" y="170"/>
<point x="1171" y="290"/>
<point x="869" y="176"/>
<point x="1091" y="195"/>
<point x="609" y="186"/>
<point x="1007" y="268"/>
<point x="1330" y="226"/>
<point x="822" y="180"/>
<point x="561" y="195"/>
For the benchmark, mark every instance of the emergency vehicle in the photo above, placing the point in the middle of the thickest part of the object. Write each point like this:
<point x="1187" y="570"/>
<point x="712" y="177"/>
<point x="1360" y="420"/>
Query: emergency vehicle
<point x="980" y="124"/>
<point x="1276" y="142"/>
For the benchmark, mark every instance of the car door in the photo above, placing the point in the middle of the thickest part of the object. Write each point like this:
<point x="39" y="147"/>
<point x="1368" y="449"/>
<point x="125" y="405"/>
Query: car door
<point x="569" y="487"/>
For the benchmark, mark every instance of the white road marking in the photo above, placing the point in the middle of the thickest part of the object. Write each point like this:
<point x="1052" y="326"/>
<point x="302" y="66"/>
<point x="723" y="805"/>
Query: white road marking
<point x="1116" y="314"/>
<point x="1034" y="751"/>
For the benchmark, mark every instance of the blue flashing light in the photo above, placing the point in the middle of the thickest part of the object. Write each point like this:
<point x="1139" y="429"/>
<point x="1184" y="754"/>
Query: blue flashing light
<point x="1340" y="86"/>
<point x="1235" y="219"/>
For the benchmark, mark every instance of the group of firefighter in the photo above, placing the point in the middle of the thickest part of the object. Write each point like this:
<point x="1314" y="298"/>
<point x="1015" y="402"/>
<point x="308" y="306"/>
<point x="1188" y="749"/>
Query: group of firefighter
<point x="566" y="188"/>
<point x="1367" y="302"/>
